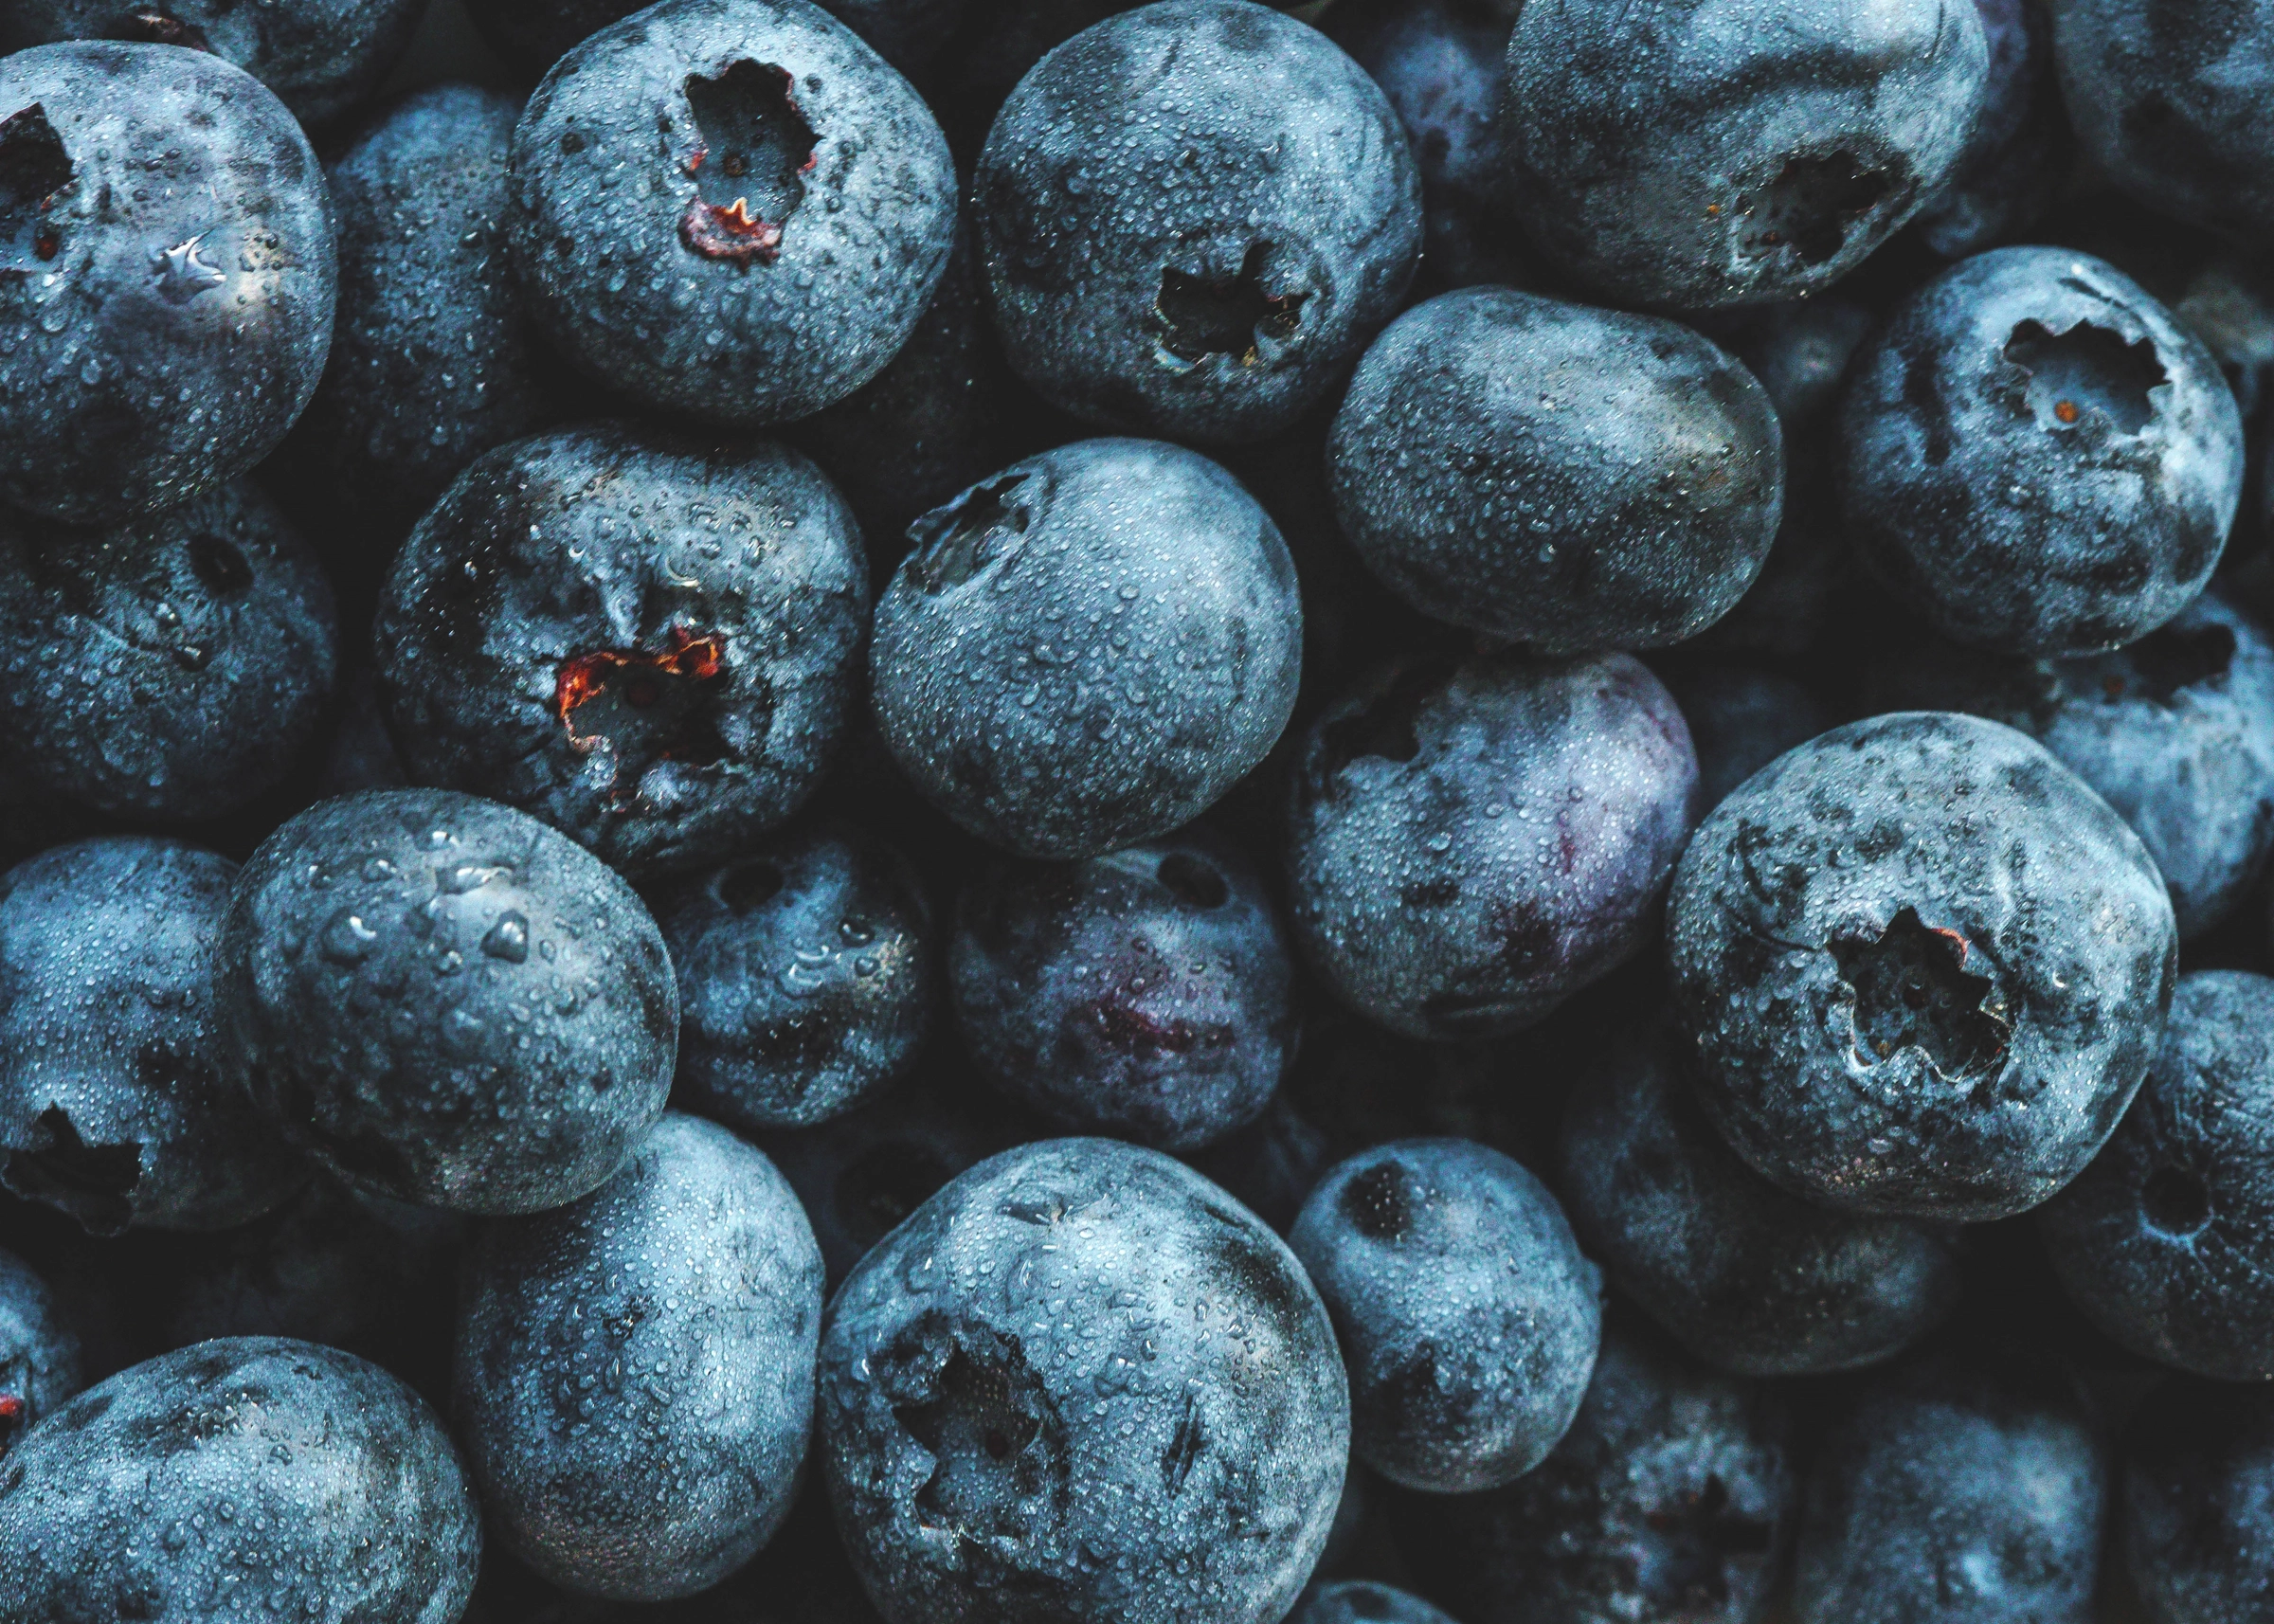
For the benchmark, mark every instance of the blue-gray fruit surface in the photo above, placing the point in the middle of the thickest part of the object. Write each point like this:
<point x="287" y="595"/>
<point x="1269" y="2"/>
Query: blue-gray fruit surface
<point x="253" y="1476"/>
<point x="1924" y="966"/>
<point x="40" y="1359"/>
<point x="446" y="1002"/>
<point x="634" y="1380"/>
<point x="190" y="316"/>
<point x="2198" y="1476"/>
<point x="1079" y="1381"/>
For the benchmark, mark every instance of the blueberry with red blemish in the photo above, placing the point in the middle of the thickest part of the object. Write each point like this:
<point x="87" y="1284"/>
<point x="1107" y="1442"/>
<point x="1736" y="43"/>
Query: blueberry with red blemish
<point x="2176" y="731"/>
<point x="805" y="973"/>
<point x="166" y="669"/>
<point x="2038" y="458"/>
<point x="120" y="1103"/>
<point x="163" y="332"/>
<point x="1916" y="1506"/>
<point x="2164" y="1239"/>
<point x="1671" y="1500"/>
<point x="448" y="1002"/>
<point x="2170" y="102"/>
<point x="1467" y="1319"/>
<point x="659" y="1330"/>
<point x="729" y="209"/>
<point x="1473" y="840"/>
<point x="1146" y="995"/>
<point x="1924" y="969"/>
<point x="40" y="1361"/>
<point x="322" y="59"/>
<point x="182" y="1487"/>
<point x="1082" y="1382"/>
<point x="650" y="642"/>
<point x="1744" y="1276"/>
<point x="1194" y="215"/>
<point x="1687" y="155"/>
<point x="1086" y="650"/>
<point x="1487" y="486"/>
<point x="2198" y="1471"/>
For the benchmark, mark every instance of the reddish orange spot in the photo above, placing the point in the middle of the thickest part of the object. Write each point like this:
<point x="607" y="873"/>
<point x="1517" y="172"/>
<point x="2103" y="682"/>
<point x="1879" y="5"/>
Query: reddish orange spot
<point x="12" y="1407"/>
<point x="690" y="657"/>
<point x="46" y="241"/>
<point x="730" y="233"/>
<point x="1957" y="938"/>
<point x="2066" y="411"/>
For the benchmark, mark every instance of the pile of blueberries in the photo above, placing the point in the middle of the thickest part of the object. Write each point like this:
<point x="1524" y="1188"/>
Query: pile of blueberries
<point x="1046" y="812"/>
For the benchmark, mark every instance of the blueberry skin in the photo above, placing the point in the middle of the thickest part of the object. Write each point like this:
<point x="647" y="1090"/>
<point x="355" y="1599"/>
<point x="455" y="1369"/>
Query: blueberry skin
<point x="2198" y="1476"/>
<point x="184" y="1486"/>
<point x="1917" y="1508"/>
<point x="1670" y="1501"/>
<point x="1470" y="843"/>
<point x="2038" y="458"/>
<point x="40" y="1361"/>
<point x="1146" y="995"/>
<point x="2016" y="158"/>
<point x="1467" y="1320"/>
<point x="534" y="34"/>
<point x="648" y="641"/>
<point x="2172" y="101"/>
<point x="1440" y="63"/>
<point x="2174" y="732"/>
<point x="445" y="1001"/>
<point x="1082" y="1381"/>
<point x="660" y="1331"/>
<point x="1362" y="1601"/>
<point x="775" y="280"/>
<point x="433" y="360"/>
<point x="1086" y="650"/>
<point x="1193" y="216"/>
<point x="167" y="669"/>
<point x="320" y="58"/>
<point x="118" y="1102"/>
<point x="806" y="977"/>
<point x="1554" y="474"/>
<point x="2006" y="938"/>
<point x="1742" y="718"/>
<point x="2164" y="1241"/>
<point x="163" y="227"/>
<point x="1744" y="1276"/>
<point x="1680" y="154"/>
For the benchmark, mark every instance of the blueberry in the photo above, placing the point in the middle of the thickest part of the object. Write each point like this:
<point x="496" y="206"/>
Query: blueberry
<point x="1441" y="62"/>
<point x="445" y="1001"/>
<point x="1194" y="215"/>
<point x="333" y="1266"/>
<point x="1670" y="1501"/>
<point x="2199" y="1473"/>
<point x="1954" y="1493"/>
<point x="1082" y="1382"/>
<point x="2038" y="458"/>
<point x="2174" y="732"/>
<point x="2170" y="101"/>
<point x="2228" y="304"/>
<point x="433" y="360"/>
<point x="1086" y="650"/>
<point x="40" y="1363"/>
<point x="1466" y="1317"/>
<point x="1471" y="842"/>
<point x="320" y="57"/>
<point x="1269" y="1164"/>
<point x="1147" y="994"/>
<point x="1554" y="475"/>
<point x="122" y="292"/>
<point x="1925" y="967"/>
<point x="650" y="642"/>
<point x="117" y="1099"/>
<point x="806" y="977"/>
<point x="233" y="1474"/>
<point x="2164" y="1240"/>
<point x="2019" y="153"/>
<point x="1744" y="1276"/>
<point x="534" y="34"/>
<point x="787" y="217"/>
<point x="1362" y="1601"/>
<point x="658" y="1332"/>
<point x="1692" y="154"/>
<point x="167" y="669"/>
<point x="1742" y="718"/>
